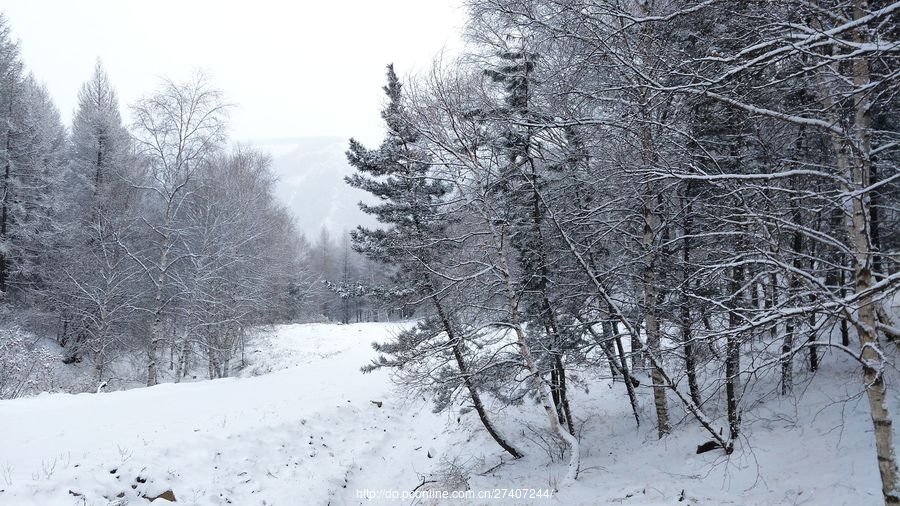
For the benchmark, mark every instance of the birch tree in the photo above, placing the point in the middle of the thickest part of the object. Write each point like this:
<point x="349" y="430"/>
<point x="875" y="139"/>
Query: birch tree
<point x="176" y="129"/>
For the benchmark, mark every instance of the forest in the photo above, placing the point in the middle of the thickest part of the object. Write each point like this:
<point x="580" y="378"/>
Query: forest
<point x="158" y="241"/>
<point x="699" y="196"/>
<point x="152" y="239"/>
<point x="696" y="200"/>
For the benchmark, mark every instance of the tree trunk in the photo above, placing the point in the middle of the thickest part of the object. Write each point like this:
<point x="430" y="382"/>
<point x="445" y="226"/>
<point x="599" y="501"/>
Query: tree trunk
<point x="544" y="395"/>
<point x="650" y="322"/>
<point x="156" y="334"/>
<point x="873" y="369"/>
<point x="845" y="329"/>
<point x="621" y="367"/>
<point x="813" y="353"/>
<point x="184" y="361"/>
<point x="540" y="385"/>
<point x="156" y="330"/>
<point x="558" y="370"/>
<point x="733" y="356"/>
<point x="547" y="316"/>
<point x="470" y="386"/>
<point x="4" y="262"/>
<point x="689" y="356"/>
<point x="874" y="361"/>
<point x="686" y="334"/>
<point x="638" y="360"/>
<point x="787" y="359"/>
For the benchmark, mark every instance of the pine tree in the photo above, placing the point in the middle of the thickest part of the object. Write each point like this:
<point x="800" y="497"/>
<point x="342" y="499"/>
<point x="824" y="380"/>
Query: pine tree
<point x="11" y="86"/>
<point x="399" y="174"/>
<point x="92" y="287"/>
<point x="35" y="164"/>
<point x="100" y="142"/>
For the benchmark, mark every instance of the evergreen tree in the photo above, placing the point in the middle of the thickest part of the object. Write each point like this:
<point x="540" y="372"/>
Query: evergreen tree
<point x="100" y="142"/>
<point x="410" y="200"/>
<point x="11" y="86"/>
<point x="92" y="291"/>
<point x="35" y="165"/>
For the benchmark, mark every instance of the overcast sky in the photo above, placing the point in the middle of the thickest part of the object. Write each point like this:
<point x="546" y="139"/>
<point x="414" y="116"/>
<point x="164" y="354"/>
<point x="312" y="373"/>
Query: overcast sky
<point x="294" y="68"/>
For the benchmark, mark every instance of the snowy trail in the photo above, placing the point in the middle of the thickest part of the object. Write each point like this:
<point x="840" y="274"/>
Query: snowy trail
<point x="298" y="435"/>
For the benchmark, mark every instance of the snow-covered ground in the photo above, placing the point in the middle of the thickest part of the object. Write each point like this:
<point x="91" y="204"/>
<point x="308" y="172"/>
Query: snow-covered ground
<point x="301" y="428"/>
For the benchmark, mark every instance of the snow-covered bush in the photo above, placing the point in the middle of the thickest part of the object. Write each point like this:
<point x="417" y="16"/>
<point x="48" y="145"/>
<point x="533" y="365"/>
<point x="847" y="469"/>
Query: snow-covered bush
<point x="25" y="366"/>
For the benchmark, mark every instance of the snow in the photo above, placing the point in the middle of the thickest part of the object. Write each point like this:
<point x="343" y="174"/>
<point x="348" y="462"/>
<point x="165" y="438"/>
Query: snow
<point x="288" y="437"/>
<point x="301" y="428"/>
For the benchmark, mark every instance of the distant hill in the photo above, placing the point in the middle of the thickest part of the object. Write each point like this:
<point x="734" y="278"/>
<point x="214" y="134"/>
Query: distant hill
<point x="311" y="183"/>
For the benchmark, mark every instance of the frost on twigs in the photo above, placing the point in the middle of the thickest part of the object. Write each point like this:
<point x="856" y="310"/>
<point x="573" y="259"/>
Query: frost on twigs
<point x="25" y="367"/>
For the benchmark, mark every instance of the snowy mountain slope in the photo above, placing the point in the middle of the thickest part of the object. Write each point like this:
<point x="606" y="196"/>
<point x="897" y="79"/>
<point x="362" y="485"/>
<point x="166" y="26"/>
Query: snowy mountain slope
<point x="311" y="174"/>
<point x="306" y="432"/>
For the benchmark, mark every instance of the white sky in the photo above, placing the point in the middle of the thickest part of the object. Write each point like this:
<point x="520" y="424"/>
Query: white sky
<point x="292" y="67"/>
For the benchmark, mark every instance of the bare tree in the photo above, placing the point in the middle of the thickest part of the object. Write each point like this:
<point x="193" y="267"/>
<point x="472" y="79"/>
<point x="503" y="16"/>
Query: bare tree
<point x="177" y="129"/>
